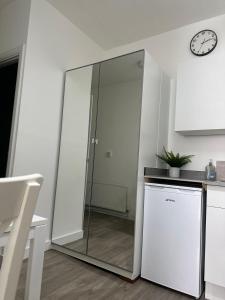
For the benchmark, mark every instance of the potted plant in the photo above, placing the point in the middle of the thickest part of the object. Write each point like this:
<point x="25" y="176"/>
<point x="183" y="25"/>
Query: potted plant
<point x="175" y="161"/>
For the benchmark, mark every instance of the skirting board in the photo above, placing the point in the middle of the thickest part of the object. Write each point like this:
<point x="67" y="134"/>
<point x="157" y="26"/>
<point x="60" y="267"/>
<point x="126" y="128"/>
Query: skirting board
<point x="214" y="292"/>
<point x="68" y="237"/>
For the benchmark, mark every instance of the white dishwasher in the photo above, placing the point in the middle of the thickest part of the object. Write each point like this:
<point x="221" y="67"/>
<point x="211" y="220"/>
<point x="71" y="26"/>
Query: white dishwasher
<point x="173" y="237"/>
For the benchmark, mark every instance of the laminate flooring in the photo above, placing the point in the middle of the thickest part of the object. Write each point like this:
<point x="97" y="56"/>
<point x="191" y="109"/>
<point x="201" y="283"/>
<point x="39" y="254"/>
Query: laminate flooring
<point x="68" y="278"/>
<point x="110" y="239"/>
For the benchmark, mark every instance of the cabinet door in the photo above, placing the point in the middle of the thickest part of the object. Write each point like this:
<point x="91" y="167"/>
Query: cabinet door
<point x="70" y="212"/>
<point x="115" y="161"/>
<point x="200" y="96"/>
<point x="215" y="246"/>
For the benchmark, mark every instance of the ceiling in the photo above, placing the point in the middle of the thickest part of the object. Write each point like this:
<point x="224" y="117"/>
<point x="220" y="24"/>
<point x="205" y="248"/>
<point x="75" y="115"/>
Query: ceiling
<point x="4" y="3"/>
<point x="112" y="23"/>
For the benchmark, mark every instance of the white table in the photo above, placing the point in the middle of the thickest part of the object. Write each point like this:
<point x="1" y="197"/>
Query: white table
<point x="37" y="237"/>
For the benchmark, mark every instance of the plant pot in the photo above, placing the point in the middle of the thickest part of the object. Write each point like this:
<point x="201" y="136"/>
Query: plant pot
<point x="174" y="172"/>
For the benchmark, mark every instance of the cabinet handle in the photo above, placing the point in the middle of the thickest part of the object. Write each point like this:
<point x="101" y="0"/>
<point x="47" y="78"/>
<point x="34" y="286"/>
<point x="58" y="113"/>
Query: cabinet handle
<point x="170" y="200"/>
<point x="94" y="141"/>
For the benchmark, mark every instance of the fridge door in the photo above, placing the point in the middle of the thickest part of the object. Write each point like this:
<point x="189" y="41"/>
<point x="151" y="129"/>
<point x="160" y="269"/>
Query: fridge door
<point x="171" y="253"/>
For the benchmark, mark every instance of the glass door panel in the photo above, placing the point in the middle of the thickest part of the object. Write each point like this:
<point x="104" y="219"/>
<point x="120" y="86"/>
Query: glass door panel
<point x="70" y="224"/>
<point x="113" y="193"/>
<point x="91" y="145"/>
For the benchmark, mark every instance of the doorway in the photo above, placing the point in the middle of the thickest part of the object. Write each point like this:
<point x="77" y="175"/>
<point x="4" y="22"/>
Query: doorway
<point x="8" y="80"/>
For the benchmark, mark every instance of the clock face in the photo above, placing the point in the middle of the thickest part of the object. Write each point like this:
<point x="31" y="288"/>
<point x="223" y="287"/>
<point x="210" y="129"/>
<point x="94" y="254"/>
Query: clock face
<point x="203" y="42"/>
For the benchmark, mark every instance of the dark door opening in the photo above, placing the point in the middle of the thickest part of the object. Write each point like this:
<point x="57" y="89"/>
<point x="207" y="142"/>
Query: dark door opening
<point x="8" y="76"/>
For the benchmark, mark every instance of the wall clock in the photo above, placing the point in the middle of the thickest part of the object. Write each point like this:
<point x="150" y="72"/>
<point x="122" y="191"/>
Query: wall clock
<point x="203" y="42"/>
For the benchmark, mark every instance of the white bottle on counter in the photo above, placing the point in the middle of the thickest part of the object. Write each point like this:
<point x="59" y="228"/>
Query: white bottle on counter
<point x="210" y="171"/>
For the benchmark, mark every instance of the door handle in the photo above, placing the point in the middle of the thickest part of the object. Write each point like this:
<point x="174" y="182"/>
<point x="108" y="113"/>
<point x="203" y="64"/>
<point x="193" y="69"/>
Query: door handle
<point x="94" y="141"/>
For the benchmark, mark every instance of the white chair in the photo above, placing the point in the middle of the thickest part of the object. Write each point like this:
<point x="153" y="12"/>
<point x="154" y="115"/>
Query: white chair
<point x="18" y="197"/>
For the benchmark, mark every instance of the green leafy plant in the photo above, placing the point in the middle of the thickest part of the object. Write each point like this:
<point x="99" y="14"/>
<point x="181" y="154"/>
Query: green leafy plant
<point x="174" y="160"/>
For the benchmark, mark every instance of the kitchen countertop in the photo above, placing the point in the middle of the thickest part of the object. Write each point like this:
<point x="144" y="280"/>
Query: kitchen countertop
<point x="185" y="175"/>
<point x="215" y="182"/>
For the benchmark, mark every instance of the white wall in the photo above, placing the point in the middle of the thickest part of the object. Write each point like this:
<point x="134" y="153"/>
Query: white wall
<point x="53" y="45"/>
<point x="169" y="49"/>
<point x="13" y="26"/>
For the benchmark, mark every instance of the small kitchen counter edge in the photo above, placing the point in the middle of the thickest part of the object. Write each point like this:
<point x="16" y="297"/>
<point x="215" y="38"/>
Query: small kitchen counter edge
<point x="190" y="176"/>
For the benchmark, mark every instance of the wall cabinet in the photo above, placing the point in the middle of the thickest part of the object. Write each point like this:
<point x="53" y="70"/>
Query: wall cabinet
<point x="200" y="96"/>
<point x="215" y="243"/>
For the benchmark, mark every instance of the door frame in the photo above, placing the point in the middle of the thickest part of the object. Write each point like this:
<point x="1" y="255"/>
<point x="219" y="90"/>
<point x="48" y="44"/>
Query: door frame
<point x="17" y="54"/>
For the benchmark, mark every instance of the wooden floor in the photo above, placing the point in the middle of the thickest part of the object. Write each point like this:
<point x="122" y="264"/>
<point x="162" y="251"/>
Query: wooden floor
<point x="70" y="279"/>
<point x="110" y="239"/>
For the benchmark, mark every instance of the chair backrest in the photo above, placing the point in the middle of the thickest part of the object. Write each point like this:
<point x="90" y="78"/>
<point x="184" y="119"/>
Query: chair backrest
<point x="18" y="197"/>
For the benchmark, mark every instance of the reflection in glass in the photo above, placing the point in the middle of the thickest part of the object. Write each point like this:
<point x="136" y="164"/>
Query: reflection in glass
<point x="113" y="200"/>
<point x="97" y="177"/>
<point x="80" y="245"/>
<point x="69" y="225"/>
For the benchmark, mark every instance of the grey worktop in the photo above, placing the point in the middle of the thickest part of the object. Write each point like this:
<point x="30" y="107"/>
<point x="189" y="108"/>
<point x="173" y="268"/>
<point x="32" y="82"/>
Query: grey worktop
<point x="215" y="182"/>
<point x="185" y="175"/>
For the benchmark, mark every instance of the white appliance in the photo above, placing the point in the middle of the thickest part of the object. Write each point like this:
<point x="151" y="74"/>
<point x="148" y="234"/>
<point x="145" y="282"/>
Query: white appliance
<point x="173" y="237"/>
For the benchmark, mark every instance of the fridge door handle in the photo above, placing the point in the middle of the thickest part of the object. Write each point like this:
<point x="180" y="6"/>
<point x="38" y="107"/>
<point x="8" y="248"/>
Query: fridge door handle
<point x="170" y="200"/>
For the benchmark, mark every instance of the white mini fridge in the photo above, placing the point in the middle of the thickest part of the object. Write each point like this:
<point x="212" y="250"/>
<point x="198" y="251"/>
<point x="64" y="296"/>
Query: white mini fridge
<point x="173" y="237"/>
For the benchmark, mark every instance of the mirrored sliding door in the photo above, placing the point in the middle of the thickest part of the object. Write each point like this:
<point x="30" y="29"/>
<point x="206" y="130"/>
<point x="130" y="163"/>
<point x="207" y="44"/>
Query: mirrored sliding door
<point x="95" y="203"/>
<point x="113" y="200"/>
<point x="70" y="223"/>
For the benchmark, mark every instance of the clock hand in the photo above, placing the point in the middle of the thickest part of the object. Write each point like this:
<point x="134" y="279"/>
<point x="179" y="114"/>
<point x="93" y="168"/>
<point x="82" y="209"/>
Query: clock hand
<point x="201" y="45"/>
<point x="203" y="42"/>
<point x="207" y="40"/>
